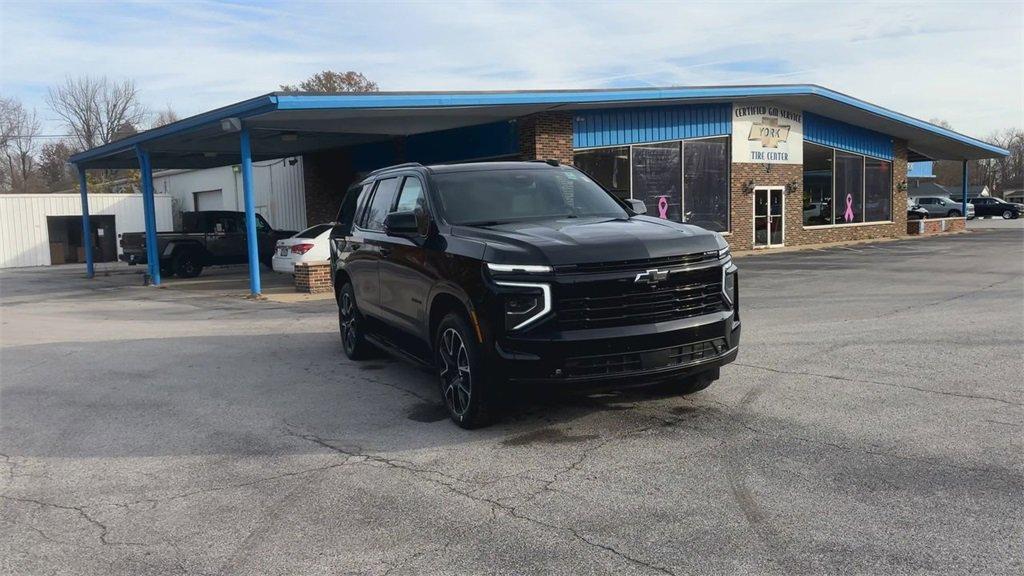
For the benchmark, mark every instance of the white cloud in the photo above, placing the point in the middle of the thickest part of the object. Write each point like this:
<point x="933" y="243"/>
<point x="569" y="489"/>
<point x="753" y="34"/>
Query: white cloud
<point x="960" y="62"/>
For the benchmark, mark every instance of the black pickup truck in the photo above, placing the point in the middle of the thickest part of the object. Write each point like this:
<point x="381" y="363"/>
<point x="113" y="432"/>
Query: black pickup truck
<point x="504" y="274"/>
<point x="207" y="238"/>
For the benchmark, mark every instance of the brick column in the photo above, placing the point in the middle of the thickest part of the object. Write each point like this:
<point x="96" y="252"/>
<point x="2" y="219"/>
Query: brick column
<point x="547" y="135"/>
<point x="899" y="180"/>
<point x="326" y="176"/>
<point x="313" y="277"/>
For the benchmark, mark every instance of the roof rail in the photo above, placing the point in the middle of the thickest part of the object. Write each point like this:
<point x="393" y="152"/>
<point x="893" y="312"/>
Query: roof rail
<point x="396" y="166"/>
<point x="549" y="161"/>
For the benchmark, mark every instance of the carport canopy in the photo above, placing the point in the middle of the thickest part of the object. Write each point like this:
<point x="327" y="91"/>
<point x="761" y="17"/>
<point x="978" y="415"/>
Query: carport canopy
<point x="289" y="124"/>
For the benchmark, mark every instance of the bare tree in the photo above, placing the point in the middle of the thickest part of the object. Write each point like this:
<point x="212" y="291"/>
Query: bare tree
<point x="165" y="117"/>
<point x="330" y="81"/>
<point x="96" y="110"/>
<point x="19" y="132"/>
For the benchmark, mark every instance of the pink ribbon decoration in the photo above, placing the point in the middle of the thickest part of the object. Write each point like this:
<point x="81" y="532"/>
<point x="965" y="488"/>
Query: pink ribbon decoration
<point x="663" y="207"/>
<point x="848" y="216"/>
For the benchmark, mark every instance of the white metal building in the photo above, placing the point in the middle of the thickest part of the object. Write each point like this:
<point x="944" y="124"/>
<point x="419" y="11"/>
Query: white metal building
<point x="44" y="229"/>
<point x="278" y="190"/>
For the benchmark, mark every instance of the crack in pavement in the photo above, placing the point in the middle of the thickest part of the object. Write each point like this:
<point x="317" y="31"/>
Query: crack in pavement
<point x="153" y="502"/>
<point x="435" y="477"/>
<point x="879" y="383"/>
<point x="80" y="510"/>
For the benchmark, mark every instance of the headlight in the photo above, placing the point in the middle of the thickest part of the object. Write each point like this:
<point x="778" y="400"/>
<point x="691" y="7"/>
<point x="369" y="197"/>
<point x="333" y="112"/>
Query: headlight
<point x="729" y="285"/>
<point x="527" y="304"/>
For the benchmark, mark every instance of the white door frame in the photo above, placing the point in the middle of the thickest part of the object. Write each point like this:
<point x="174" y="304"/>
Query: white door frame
<point x="768" y="217"/>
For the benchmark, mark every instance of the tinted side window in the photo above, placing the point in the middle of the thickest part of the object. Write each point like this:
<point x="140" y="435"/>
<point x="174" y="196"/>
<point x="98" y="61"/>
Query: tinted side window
<point x="411" y="196"/>
<point x="380" y="205"/>
<point x="347" y="213"/>
<point x="364" y="200"/>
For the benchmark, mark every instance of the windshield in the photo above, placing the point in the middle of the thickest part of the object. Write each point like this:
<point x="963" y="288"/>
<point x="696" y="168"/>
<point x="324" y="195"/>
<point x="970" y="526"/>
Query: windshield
<point x="511" y="195"/>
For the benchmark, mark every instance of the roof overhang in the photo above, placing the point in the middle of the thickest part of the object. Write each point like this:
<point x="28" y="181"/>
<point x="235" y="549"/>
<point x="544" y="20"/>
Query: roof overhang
<point x="289" y="124"/>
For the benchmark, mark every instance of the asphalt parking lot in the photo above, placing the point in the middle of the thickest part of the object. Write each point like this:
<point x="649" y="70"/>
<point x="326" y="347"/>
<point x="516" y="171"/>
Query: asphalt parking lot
<point x="872" y="424"/>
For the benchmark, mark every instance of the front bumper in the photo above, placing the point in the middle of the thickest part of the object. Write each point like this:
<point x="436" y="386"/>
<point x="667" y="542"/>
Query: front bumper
<point x="627" y="355"/>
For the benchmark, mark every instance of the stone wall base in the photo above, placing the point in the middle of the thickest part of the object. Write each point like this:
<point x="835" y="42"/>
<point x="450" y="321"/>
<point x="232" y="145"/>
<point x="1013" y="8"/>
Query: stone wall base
<point x="935" y="226"/>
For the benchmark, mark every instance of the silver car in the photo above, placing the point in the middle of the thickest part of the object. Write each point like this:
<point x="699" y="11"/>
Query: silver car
<point x="942" y="207"/>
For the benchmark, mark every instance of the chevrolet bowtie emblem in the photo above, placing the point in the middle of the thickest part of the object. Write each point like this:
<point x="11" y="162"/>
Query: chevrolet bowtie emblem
<point x="651" y="276"/>
<point x="768" y="132"/>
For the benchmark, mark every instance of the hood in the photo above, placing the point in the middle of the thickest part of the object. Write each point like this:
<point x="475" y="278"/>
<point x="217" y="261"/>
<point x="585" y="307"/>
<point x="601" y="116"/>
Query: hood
<point x="589" y="240"/>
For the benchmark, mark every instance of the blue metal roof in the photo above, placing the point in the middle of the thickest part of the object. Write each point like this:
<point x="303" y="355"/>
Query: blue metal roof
<point x="277" y="109"/>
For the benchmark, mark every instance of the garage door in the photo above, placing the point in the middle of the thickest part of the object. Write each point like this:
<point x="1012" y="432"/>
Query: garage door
<point x="208" y="200"/>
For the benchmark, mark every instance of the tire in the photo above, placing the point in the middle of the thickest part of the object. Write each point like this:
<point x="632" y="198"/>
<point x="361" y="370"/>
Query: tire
<point x="953" y="213"/>
<point x="466" y="391"/>
<point x="187" y="264"/>
<point x="1009" y="214"/>
<point x="350" y="325"/>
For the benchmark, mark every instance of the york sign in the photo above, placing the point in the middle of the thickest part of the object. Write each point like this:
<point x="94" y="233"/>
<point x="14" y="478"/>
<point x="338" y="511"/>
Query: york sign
<point x="764" y="133"/>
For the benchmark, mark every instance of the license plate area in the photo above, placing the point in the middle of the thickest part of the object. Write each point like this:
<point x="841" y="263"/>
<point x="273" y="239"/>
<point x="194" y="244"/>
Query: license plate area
<point x="656" y="359"/>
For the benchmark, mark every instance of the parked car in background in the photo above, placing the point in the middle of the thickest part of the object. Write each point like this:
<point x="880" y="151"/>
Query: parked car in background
<point x="310" y="245"/>
<point x="914" y="210"/>
<point x="207" y="238"/>
<point x="987" y="207"/>
<point x="942" y="207"/>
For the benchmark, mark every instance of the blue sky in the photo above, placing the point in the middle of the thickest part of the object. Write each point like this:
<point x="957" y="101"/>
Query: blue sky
<point x="963" y="62"/>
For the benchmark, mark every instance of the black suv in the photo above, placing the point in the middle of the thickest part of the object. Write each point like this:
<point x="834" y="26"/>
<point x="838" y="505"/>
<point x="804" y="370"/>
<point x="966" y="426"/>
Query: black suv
<point x="506" y="273"/>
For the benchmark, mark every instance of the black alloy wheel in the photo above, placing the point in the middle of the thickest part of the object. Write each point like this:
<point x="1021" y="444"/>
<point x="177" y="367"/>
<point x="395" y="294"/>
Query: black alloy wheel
<point x="350" y="324"/>
<point x="464" y="386"/>
<point x="1008" y="215"/>
<point x="456" y="374"/>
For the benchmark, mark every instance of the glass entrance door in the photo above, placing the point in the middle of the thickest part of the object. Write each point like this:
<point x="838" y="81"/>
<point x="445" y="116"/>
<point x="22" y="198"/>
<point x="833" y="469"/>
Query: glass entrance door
<point x="768" y="217"/>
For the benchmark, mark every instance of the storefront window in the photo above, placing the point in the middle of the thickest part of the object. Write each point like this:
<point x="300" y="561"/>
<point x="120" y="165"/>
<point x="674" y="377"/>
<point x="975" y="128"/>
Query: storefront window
<point x="817" y="185"/>
<point x="706" y="183"/>
<point x="863" y="187"/>
<point x="849" y="204"/>
<point x="608" y="166"/>
<point x="656" y="179"/>
<point x="655" y="173"/>
<point x="877" y="190"/>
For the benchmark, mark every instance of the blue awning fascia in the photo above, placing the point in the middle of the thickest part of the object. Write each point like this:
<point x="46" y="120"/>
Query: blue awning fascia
<point x="566" y="99"/>
<point x="258" y="105"/>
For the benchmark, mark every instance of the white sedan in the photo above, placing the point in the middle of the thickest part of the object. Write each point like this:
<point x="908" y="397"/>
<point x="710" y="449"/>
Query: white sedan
<point x="310" y="245"/>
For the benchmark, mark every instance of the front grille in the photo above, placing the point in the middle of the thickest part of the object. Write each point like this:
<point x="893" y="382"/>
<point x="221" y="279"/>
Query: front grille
<point x="638" y="265"/>
<point x="624" y="302"/>
<point x="646" y="360"/>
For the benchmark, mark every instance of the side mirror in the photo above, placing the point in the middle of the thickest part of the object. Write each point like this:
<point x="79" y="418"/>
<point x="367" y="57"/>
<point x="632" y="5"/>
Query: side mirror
<point x="637" y="206"/>
<point x="401" y="224"/>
